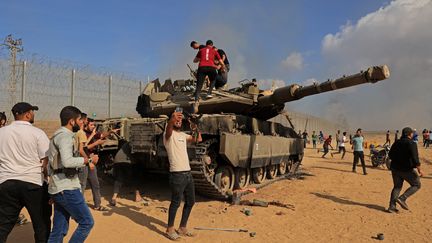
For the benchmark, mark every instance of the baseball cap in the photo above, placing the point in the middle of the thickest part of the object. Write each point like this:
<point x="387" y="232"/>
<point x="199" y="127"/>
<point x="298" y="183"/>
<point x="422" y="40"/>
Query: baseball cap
<point x="23" y="107"/>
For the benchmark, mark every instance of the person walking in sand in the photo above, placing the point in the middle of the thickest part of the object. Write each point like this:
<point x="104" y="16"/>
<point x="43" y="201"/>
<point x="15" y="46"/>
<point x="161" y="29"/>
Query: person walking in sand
<point x="326" y="145"/>
<point x="314" y="139"/>
<point x="358" y="145"/>
<point x="387" y="138"/>
<point x="404" y="156"/>
<point x="181" y="181"/>
<point x="341" y="143"/>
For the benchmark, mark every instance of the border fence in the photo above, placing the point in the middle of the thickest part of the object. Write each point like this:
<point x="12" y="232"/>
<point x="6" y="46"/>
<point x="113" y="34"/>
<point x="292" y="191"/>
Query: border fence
<point x="52" y="85"/>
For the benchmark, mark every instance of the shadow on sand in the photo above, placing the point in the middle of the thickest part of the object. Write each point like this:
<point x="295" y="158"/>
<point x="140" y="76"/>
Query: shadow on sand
<point x="133" y="213"/>
<point x="348" y="202"/>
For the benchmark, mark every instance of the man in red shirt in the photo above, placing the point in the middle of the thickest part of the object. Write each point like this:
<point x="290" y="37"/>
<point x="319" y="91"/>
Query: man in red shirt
<point x="206" y="57"/>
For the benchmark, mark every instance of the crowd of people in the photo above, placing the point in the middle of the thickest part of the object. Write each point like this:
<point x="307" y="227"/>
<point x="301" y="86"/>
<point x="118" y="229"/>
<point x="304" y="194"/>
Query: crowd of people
<point x="49" y="177"/>
<point x="405" y="163"/>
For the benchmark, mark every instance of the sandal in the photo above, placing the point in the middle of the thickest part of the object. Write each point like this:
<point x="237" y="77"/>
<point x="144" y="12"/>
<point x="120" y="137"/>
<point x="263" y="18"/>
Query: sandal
<point x="172" y="236"/>
<point x="187" y="233"/>
<point x="101" y="208"/>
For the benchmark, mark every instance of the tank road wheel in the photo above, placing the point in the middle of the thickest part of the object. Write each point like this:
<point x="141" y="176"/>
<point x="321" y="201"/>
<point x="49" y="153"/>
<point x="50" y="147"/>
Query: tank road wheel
<point x="259" y="175"/>
<point x="242" y="178"/>
<point x="224" y="178"/>
<point x="272" y="171"/>
<point x="282" y="167"/>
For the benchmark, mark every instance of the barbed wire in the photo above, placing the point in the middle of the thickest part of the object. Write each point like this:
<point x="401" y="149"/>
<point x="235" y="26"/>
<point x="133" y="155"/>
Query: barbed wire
<point x="48" y="84"/>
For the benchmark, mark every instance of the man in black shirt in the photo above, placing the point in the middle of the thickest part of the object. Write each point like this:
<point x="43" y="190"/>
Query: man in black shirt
<point x="404" y="156"/>
<point x="222" y="77"/>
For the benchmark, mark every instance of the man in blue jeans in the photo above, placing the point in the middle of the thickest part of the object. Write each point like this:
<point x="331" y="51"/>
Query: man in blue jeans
<point x="64" y="186"/>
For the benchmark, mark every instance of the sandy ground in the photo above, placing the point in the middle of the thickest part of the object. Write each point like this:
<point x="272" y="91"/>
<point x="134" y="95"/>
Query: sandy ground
<point x="332" y="204"/>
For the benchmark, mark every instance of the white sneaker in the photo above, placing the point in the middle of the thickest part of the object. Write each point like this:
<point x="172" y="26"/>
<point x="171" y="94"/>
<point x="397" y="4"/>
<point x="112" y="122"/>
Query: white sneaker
<point x="209" y="96"/>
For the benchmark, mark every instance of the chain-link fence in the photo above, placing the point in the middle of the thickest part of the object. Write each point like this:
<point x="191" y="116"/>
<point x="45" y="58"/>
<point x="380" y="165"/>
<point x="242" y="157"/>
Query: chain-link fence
<point x="52" y="85"/>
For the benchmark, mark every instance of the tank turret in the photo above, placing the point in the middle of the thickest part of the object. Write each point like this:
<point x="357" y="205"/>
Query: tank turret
<point x="247" y="99"/>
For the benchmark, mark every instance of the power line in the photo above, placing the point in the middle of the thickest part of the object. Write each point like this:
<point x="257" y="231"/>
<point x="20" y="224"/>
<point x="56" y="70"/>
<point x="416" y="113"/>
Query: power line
<point x="14" y="46"/>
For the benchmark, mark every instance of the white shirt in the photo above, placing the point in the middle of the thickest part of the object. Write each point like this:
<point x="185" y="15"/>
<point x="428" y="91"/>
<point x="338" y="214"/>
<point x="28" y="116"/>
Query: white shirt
<point x="176" y="147"/>
<point x="22" y="146"/>
<point x="342" y="141"/>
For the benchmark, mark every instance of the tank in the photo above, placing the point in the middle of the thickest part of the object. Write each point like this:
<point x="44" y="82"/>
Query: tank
<point x="241" y="147"/>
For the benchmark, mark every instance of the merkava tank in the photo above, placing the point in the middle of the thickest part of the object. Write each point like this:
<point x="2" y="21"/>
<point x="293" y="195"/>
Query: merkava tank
<point x="241" y="147"/>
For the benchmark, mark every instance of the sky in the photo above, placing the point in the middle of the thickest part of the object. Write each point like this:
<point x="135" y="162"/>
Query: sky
<point x="277" y="42"/>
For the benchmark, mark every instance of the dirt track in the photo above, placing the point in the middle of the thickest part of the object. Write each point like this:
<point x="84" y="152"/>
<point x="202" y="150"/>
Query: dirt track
<point x="332" y="204"/>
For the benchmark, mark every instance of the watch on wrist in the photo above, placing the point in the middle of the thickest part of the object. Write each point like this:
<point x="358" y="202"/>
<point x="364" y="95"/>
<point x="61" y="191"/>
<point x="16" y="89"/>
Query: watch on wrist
<point x="90" y="160"/>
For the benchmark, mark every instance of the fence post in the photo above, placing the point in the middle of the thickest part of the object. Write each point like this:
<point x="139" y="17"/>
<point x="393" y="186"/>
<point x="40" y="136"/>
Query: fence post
<point x="23" y="81"/>
<point x="140" y="87"/>
<point x="109" y="95"/>
<point x="73" y="88"/>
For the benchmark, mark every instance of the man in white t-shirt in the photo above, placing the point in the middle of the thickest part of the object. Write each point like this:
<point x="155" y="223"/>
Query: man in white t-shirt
<point x="181" y="181"/>
<point x="23" y="161"/>
<point x="341" y="143"/>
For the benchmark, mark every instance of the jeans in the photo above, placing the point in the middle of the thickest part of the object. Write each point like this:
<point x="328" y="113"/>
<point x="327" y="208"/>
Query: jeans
<point x="181" y="184"/>
<point x="17" y="194"/>
<point x="398" y="178"/>
<point x="359" y="155"/>
<point x="91" y="176"/>
<point x="70" y="203"/>
<point x="202" y="73"/>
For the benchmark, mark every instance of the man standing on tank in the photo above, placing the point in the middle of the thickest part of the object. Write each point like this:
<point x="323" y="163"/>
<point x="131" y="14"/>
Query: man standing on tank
<point x="181" y="181"/>
<point x="206" y="67"/>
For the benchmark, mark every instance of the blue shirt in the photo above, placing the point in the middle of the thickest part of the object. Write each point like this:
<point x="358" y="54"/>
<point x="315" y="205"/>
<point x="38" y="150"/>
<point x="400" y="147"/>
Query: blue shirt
<point x="358" y="143"/>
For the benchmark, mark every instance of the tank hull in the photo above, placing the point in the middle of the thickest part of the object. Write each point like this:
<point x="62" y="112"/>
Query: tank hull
<point x="231" y="144"/>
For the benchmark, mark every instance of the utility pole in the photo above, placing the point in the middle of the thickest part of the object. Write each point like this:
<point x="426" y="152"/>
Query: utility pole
<point x="14" y="46"/>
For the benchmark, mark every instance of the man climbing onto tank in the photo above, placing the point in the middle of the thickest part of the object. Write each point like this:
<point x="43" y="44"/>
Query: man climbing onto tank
<point x="181" y="181"/>
<point x="222" y="77"/>
<point x="206" y="58"/>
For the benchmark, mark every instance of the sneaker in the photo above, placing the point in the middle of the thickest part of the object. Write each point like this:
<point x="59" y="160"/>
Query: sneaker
<point x="392" y="210"/>
<point x="402" y="203"/>
<point x="365" y="173"/>
<point x="209" y="96"/>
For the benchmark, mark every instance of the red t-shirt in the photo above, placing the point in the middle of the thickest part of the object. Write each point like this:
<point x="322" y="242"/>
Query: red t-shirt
<point x="207" y="56"/>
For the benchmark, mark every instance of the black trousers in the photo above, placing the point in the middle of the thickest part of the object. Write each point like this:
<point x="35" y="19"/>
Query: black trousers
<point x="182" y="185"/>
<point x="359" y="155"/>
<point x="398" y="178"/>
<point x="202" y="73"/>
<point x="17" y="194"/>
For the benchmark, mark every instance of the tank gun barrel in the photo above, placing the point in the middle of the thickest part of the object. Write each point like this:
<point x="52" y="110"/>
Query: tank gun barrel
<point x="295" y="92"/>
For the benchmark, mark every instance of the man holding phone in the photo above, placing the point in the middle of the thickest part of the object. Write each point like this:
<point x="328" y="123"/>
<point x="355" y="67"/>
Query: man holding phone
<point x="181" y="181"/>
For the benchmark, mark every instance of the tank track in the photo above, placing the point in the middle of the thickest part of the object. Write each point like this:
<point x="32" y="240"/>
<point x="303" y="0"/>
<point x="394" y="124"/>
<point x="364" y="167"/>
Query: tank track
<point x="203" y="181"/>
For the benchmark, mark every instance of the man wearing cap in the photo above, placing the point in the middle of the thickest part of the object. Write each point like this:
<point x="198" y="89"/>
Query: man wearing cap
<point x="404" y="157"/>
<point x="358" y="145"/>
<point x="23" y="160"/>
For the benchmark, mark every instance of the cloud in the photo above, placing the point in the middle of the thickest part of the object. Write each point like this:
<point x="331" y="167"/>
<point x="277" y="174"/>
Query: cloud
<point x="397" y="35"/>
<point x="271" y="83"/>
<point x="294" y="61"/>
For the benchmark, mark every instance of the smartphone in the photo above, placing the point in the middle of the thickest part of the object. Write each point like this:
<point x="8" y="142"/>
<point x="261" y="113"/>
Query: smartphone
<point x="179" y="109"/>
